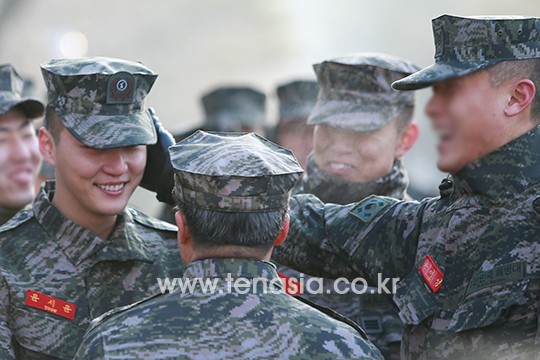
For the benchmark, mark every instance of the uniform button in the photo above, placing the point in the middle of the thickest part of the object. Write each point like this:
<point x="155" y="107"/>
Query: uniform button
<point x="446" y="187"/>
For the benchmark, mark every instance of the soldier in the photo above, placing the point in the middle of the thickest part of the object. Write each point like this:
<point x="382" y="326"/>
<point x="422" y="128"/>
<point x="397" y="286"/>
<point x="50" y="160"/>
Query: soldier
<point x="19" y="152"/>
<point x="232" y="193"/>
<point x="296" y="99"/>
<point x="468" y="260"/>
<point x="232" y="108"/>
<point x="78" y="252"/>
<point x="362" y="130"/>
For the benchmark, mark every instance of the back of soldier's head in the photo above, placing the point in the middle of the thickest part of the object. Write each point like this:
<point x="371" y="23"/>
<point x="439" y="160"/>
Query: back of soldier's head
<point x="233" y="188"/>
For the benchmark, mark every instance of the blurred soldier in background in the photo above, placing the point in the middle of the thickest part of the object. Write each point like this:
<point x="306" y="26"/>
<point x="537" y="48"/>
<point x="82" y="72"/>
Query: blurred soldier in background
<point x="296" y="99"/>
<point x="232" y="192"/>
<point x="19" y="153"/>
<point x="230" y="108"/>
<point x="362" y="130"/>
<point x="78" y="252"/>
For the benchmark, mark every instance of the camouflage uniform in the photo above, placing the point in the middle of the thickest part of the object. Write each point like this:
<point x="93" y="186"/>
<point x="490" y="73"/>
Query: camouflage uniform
<point x="355" y="94"/>
<point x="236" y="174"/>
<point x="56" y="275"/>
<point x="11" y="96"/>
<point x="468" y="260"/>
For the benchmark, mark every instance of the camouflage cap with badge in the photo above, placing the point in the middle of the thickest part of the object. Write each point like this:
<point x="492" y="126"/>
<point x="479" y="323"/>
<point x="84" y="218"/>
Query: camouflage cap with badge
<point x="467" y="44"/>
<point x="101" y="100"/>
<point x="11" y="89"/>
<point x="356" y="93"/>
<point x="231" y="108"/>
<point x="233" y="172"/>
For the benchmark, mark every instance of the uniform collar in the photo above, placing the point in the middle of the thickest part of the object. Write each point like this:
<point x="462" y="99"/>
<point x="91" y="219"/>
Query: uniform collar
<point x="231" y="267"/>
<point x="79" y="243"/>
<point x="505" y="172"/>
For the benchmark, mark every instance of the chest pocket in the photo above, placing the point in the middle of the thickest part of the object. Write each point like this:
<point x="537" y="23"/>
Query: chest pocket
<point x="40" y="335"/>
<point x="487" y="307"/>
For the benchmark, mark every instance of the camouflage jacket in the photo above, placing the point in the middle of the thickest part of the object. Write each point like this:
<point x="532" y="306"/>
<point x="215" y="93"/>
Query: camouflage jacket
<point x="6" y="214"/>
<point x="55" y="276"/>
<point x="252" y="320"/>
<point x="477" y="294"/>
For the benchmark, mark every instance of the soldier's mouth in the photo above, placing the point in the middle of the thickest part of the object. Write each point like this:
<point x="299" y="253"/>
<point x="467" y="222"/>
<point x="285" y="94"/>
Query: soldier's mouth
<point x="338" y="167"/>
<point x="112" y="188"/>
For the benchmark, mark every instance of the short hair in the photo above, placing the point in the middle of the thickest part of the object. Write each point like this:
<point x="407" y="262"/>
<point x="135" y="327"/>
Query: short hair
<point x="404" y="118"/>
<point x="211" y="228"/>
<point x="53" y="123"/>
<point x="526" y="69"/>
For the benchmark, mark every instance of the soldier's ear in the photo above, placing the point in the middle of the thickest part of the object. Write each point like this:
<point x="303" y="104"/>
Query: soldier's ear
<point x="284" y="231"/>
<point x="184" y="236"/>
<point x="47" y="146"/>
<point x="406" y="140"/>
<point x="521" y="95"/>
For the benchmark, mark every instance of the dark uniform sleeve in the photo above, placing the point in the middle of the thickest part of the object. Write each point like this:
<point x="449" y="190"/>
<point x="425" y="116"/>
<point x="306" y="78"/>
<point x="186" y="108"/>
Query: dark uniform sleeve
<point x="6" y="348"/>
<point x="91" y="348"/>
<point x="378" y="235"/>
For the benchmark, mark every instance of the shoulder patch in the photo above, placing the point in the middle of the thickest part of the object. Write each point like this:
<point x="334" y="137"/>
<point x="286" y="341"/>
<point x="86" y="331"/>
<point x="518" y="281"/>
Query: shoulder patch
<point x="368" y="208"/>
<point x="105" y="316"/>
<point x="17" y="219"/>
<point x="149" y="221"/>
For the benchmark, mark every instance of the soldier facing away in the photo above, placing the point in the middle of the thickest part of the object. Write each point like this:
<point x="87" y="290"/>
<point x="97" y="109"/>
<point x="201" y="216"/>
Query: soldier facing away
<point x="232" y="192"/>
<point x="19" y="152"/>
<point x="78" y="252"/>
<point x="469" y="260"/>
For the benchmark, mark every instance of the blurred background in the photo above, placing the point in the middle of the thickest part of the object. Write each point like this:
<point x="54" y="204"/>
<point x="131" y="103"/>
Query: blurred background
<point x="195" y="45"/>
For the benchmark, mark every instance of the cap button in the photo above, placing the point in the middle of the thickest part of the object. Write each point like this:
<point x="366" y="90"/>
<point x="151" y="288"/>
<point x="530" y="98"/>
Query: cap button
<point x="445" y="188"/>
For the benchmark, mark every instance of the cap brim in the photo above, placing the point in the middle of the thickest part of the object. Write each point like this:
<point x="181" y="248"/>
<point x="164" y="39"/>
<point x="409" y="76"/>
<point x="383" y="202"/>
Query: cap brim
<point x="111" y="131"/>
<point x="437" y="72"/>
<point x="30" y="107"/>
<point x="346" y="115"/>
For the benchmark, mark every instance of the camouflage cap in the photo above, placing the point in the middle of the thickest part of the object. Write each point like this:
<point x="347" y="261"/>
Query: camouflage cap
<point x="467" y="44"/>
<point x="231" y="108"/>
<point x="296" y="99"/>
<point x="355" y="91"/>
<point x="101" y="100"/>
<point x="11" y="88"/>
<point x="233" y="172"/>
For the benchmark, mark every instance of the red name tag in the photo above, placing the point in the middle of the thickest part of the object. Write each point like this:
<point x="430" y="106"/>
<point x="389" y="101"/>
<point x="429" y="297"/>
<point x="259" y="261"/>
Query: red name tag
<point x="50" y="304"/>
<point x="292" y="287"/>
<point x="433" y="276"/>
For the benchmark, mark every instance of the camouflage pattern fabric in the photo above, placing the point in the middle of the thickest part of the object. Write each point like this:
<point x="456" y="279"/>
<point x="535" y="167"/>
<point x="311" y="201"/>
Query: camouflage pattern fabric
<point x="42" y="251"/>
<point x="224" y="324"/>
<point x="101" y="100"/>
<point x="355" y="91"/>
<point x="233" y="172"/>
<point x="231" y="108"/>
<point x="11" y="89"/>
<point x="483" y="237"/>
<point x="371" y="311"/>
<point x="331" y="188"/>
<point x="296" y="99"/>
<point x="467" y="44"/>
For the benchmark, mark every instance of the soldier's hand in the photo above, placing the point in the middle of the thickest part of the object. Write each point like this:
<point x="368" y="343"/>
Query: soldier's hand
<point x="158" y="174"/>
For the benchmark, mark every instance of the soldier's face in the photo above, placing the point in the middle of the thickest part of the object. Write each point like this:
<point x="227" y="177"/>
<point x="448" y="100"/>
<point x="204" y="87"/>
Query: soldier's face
<point x="94" y="182"/>
<point x="355" y="155"/>
<point x="19" y="160"/>
<point x="465" y="114"/>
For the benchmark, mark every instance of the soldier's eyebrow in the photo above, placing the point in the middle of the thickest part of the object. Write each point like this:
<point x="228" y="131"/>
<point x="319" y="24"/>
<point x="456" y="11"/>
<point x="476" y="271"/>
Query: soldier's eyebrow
<point x="25" y="124"/>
